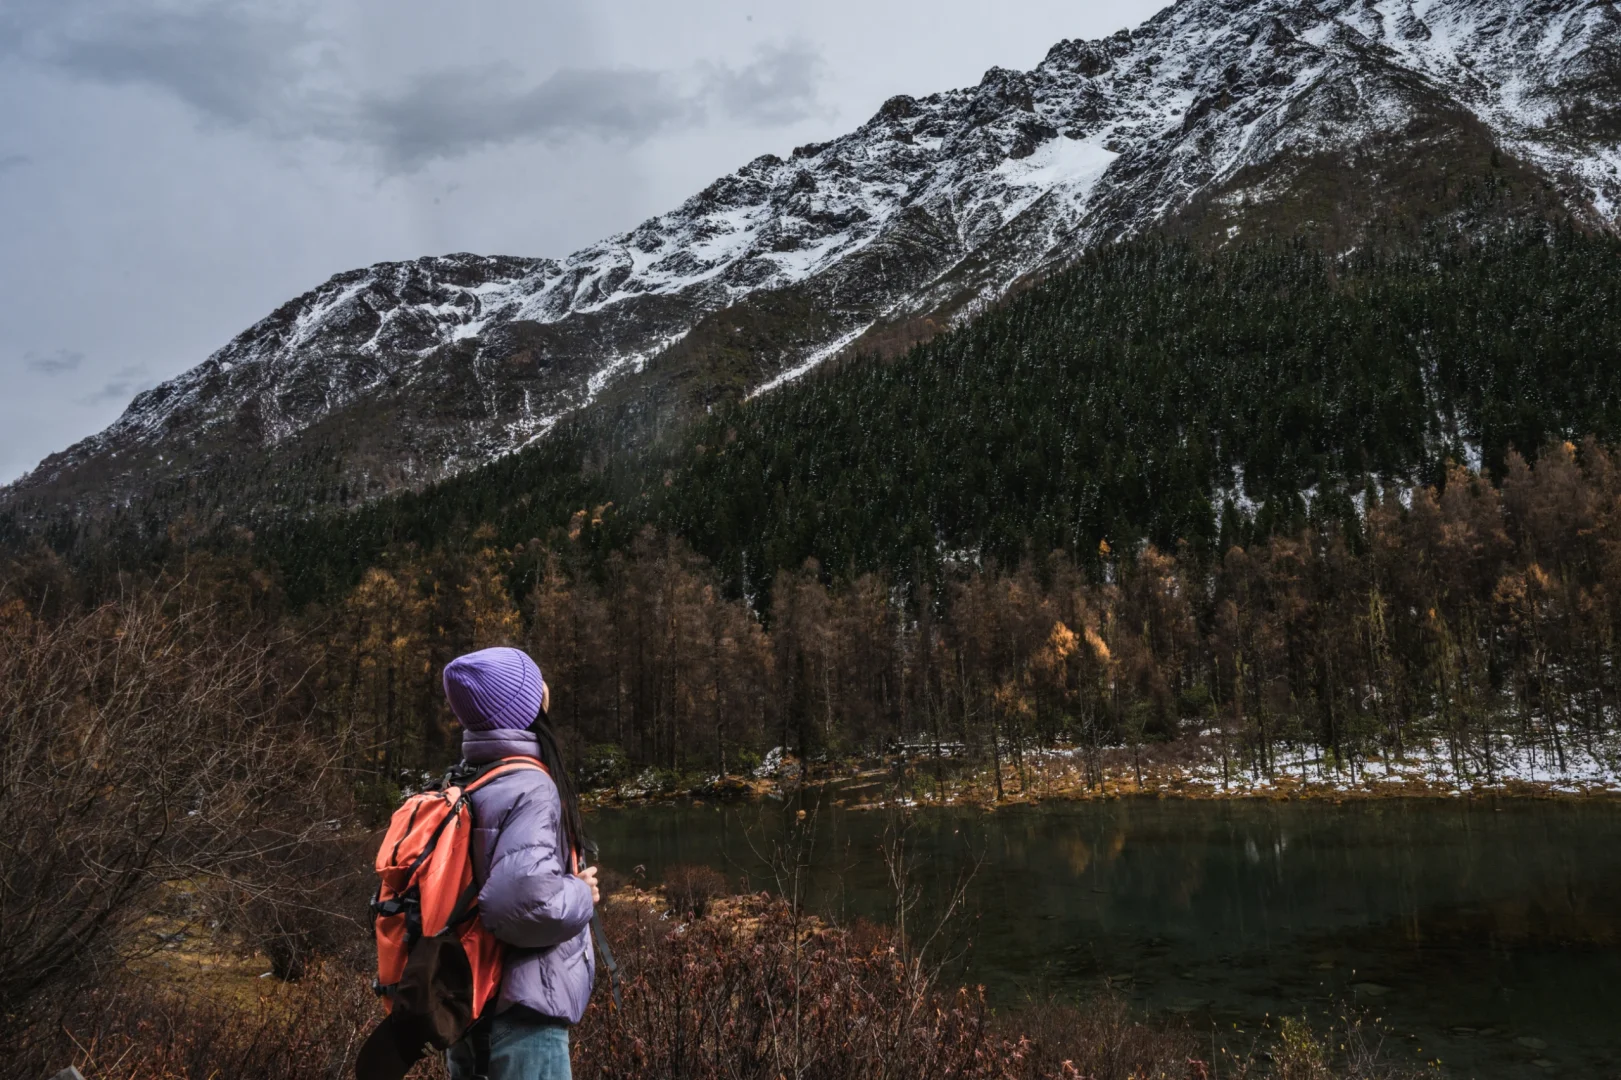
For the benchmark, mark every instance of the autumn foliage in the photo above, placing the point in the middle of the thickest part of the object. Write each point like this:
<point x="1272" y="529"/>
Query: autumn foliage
<point x="1474" y="614"/>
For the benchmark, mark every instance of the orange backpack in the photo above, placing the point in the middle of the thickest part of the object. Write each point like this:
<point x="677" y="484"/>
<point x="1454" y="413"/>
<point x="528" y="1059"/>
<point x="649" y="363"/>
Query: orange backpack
<point x="438" y="967"/>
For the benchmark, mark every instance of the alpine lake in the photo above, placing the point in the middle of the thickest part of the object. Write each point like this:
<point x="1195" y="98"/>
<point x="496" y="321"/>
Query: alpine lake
<point x="1485" y="934"/>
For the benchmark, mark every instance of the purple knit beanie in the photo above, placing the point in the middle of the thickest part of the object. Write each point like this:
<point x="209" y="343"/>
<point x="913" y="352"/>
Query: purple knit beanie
<point x="494" y="688"/>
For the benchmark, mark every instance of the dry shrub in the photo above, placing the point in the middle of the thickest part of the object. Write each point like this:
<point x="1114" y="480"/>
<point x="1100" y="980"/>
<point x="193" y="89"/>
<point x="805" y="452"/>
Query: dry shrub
<point x="765" y="993"/>
<point x="311" y="904"/>
<point x="1299" y="1055"/>
<point x="1350" y="1048"/>
<point x="690" y="888"/>
<point x="133" y="1031"/>
<point x="1099" y="1038"/>
<point x="141" y="743"/>
<point x="750" y="992"/>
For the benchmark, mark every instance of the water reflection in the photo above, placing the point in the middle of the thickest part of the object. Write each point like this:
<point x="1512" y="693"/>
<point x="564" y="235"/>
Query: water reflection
<point x="1478" y="929"/>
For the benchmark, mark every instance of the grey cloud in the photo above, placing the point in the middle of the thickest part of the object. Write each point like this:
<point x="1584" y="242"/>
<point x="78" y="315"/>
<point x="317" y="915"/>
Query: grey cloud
<point x="271" y="71"/>
<point x="449" y="113"/>
<point x="9" y="162"/>
<point x="779" y="87"/>
<point x="23" y="21"/>
<point x="59" y="362"/>
<point x="230" y="62"/>
<point x="123" y="386"/>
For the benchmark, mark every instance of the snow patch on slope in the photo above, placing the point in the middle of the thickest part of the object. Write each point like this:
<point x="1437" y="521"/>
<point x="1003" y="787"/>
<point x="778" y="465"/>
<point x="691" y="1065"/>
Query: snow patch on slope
<point x="1072" y="166"/>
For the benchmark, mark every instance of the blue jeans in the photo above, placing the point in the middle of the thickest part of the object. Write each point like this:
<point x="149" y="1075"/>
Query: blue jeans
<point x="520" y="1049"/>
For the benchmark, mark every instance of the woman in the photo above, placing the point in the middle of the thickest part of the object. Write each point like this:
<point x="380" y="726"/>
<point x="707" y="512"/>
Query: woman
<point x="526" y="842"/>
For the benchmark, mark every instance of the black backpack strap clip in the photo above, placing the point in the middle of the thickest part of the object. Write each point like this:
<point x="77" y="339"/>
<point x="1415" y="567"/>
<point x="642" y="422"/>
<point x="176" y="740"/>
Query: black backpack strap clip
<point x="608" y="960"/>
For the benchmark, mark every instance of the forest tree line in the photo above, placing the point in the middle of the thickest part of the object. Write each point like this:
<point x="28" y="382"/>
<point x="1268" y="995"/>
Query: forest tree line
<point x="1469" y="611"/>
<point x="1165" y="491"/>
<point x="1465" y="611"/>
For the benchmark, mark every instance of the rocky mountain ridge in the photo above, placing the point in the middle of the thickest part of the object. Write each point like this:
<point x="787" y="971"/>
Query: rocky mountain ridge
<point x="1217" y="118"/>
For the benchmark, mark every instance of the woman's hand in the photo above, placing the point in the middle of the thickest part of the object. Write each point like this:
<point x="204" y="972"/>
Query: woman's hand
<point x="589" y="876"/>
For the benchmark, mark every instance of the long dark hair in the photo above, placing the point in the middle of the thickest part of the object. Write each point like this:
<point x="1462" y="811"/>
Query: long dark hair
<point x="551" y="756"/>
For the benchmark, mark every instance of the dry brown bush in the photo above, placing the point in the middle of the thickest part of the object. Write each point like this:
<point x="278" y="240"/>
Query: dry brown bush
<point x="690" y="888"/>
<point x="131" y="1030"/>
<point x="1100" y="1038"/>
<point x="752" y="990"/>
<point x="142" y="743"/>
<point x="765" y="993"/>
<point x="311" y="903"/>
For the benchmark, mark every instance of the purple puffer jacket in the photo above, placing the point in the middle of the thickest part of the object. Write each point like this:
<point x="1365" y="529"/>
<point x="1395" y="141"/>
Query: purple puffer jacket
<point x="529" y="899"/>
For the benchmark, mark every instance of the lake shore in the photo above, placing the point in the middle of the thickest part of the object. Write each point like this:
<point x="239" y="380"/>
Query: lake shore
<point x="1481" y="930"/>
<point x="1194" y="768"/>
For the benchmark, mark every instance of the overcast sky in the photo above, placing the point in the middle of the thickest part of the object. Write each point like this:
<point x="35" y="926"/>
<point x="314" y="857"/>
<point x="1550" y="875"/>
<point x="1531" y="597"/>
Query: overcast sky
<point x="171" y="171"/>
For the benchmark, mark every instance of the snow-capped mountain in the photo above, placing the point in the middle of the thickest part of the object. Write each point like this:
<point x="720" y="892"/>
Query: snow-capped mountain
<point x="1217" y="118"/>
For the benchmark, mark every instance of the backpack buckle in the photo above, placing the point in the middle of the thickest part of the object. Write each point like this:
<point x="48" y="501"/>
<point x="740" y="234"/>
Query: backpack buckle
<point x="384" y="908"/>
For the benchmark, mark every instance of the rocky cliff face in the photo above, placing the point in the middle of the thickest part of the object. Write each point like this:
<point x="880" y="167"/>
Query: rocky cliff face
<point x="1218" y="118"/>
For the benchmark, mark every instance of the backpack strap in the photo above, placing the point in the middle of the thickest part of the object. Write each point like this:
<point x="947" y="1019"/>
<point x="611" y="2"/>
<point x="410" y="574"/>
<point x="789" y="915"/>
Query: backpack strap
<point x="607" y="958"/>
<point x="507" y="765"/>
<point x="464" y="908"/>
<point x="501" y="767"/>
<point x="466" y="905"/>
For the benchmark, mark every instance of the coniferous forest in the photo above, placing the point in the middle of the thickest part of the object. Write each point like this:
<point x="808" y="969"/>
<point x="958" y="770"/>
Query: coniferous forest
<point x="1151" y="394"/>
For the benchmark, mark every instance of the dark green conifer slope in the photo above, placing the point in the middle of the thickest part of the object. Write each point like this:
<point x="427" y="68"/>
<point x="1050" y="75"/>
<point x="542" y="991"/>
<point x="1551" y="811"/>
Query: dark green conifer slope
<point x="1153" y="392"/>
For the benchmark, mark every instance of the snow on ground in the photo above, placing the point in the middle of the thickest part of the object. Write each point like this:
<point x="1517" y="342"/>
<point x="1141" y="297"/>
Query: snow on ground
<point x="1517" y="764"/>
<point x="1431" y="764"/>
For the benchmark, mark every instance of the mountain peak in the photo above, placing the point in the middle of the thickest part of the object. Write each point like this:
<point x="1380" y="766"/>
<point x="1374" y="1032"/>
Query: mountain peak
<point x="1216" y="118"/>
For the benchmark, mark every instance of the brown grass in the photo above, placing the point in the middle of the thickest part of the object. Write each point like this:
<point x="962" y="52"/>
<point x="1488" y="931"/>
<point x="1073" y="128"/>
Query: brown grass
<point x="135" y="1030"/>
<point x="752" y="990"/>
